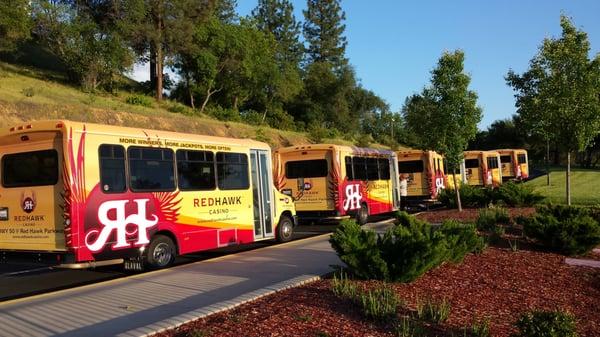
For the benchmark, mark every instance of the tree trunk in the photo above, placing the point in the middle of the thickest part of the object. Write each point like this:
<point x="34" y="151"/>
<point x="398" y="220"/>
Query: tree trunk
<point x="159" y="75"/>
<point x="569" y="178"/>
<point x="456" y="190"/>
<point x="152" y="67"/>
<point x="548" y="162"/>
<point x="235" y="103"/>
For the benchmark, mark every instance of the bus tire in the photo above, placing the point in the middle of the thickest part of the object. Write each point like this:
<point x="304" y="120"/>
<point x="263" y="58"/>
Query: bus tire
<point x="161" y="252"/>
<point x="285" y="229"/>
<point x="362" y="216"/>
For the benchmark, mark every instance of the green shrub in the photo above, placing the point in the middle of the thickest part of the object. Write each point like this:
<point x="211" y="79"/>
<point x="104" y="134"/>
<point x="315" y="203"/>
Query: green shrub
<point x="406" y="327"/>
<point x="359" y="250"/>
<point x="480" y="329"/>
<point x="28" y="92"/>
<point x="317" y="133"/>
<point x="546" y="324"/>
<point x="461" y="239"/>
<point x="179" y="108"/>
<point x="489" y="218"/>
<point x="470" y="196"/>
<point x="379" y="304"/>
<point x="252" y="117"/>
<point x="565" y="229"/>
<point x="517" y="195"/>
<point x="224" y="114"/>
<point x="433" y="311"/>
<point x="140" y="100"/>
<point x="343" y="287"/>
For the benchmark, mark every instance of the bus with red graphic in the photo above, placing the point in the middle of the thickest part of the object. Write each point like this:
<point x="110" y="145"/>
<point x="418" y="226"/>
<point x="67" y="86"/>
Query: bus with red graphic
<point x="424" y="174"/>
<point x="97" y="194"/>
<point x="333" y="182"/>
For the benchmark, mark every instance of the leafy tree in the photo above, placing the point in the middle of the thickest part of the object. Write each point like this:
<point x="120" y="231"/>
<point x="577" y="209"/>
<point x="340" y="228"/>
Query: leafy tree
<point x="444" y="116"/>
<point x="93" y="51"/>
<point x="323" y="30"/>
<point x="558" y="95"/>
<point x="277" y="17"/>
<point x="501" y="134"/>
<point x="160" y="29"/>
<point x="15" y="23"/>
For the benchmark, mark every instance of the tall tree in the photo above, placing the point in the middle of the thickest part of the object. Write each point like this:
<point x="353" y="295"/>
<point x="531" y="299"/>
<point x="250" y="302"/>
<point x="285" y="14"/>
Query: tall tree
<point x="225" y="10"/>
<point x="558" y="95"/>
<point x="323" y="30"/>
<point x="160" y="29"/>
<point x="444" y="116"/>
<point x="277" y="17"/>
<point x="15" y="23"/>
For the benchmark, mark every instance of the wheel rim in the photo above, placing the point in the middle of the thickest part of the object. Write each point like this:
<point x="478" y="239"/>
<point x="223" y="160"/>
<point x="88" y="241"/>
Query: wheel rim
<point x="286" y="230"/>
<point x="162" y="254"/>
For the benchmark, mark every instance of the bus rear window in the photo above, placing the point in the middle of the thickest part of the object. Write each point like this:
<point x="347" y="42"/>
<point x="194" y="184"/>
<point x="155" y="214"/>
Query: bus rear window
<point x="471" y="163"/>
<point x="411" y="166"/>
<point x="492" y="162"/>
<point x="37" y="168"/>
<point x="306" y="169"/>
<point x="522" y="159"/>
<point x="505" y="159"/>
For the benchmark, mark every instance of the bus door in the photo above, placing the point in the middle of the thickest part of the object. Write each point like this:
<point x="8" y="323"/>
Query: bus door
<point x="31" y="217"/>
<point x="414" y="172"/>
<point x="262" y="194"/>
<point x="473" y="171"/>
<point x="507" y="166"/>
<point x="395" y="182"/>
<point x="494" y="177"/>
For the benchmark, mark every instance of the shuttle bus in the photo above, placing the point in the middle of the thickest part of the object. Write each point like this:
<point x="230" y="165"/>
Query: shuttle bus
<point x="424" y="172"/>
<point x="97" y="194"/>
<point x="332" y="182"/>
<point x="515" y="164"/>
<point x="482" y="168"/>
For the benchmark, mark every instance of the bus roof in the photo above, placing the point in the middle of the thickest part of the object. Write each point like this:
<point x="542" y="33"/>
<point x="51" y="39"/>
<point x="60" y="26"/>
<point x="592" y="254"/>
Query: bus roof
<point x="511" y="150"/>
<point x="477" y="152"/>
<point x="335" y="147"/>
<point x="111" y="130"/>
<point x="416" y="152"/>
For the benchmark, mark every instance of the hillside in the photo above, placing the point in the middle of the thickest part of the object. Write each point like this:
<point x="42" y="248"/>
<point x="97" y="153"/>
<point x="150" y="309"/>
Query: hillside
<point x="31" y="94"/>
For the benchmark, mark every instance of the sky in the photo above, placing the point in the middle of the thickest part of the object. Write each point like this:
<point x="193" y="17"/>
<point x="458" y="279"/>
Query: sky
<point x="393" y="44"/>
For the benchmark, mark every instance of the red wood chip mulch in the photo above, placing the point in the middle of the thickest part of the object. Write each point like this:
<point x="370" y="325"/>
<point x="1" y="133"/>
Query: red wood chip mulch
<point x="468" y="214"/>
<point x="498" y="285"/>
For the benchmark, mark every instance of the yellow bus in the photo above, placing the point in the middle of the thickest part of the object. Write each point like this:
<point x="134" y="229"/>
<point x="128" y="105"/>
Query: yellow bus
<point x="424" y="172"/>
<point x="98" y="194"/>
<point x="331" y="182"/>
<point x="515" y="164"/>
<point x="482" y="168"/>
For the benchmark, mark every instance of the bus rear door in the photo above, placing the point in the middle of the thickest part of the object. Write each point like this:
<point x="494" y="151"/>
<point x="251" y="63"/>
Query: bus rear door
<point x="473" y="172"/>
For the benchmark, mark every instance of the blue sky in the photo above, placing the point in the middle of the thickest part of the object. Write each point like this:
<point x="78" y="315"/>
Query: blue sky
<point x="394" y="44"/>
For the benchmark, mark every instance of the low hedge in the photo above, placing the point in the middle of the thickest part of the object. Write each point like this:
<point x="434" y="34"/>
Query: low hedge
<point x="405" y="251"/>
<point x="546" y="324"/>
<point x="508" y="194"/>
<point x="566" y="229"/>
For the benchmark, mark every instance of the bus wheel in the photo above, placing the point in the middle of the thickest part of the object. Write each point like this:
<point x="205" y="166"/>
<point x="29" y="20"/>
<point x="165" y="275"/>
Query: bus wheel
<point x="285" y="228"/>
<point x="161" y="252"/>
<point x="363" y="215"/>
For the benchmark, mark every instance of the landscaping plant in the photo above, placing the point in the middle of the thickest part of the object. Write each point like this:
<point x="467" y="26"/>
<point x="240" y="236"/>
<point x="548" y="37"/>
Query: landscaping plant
<point x="480" y="329"/>
<point x="510" y="194"/>
<point x="546" y="324"/>
<point x="379" y="304"/>
<point x="565" y="229"/>
<point x="489" y="218"/>
<point x="433" y="311"/>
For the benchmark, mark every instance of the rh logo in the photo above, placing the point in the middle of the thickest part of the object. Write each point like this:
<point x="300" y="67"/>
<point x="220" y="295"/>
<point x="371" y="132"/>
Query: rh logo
<point x="353" y="197"/>
<point x="119" y="225"/>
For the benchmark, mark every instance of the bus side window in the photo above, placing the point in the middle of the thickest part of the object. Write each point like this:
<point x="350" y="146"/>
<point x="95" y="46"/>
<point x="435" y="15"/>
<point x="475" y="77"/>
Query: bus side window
<point x="384" y="168"/>
<point x="471" y="163"/>
<point x="151" y="169"/>
<point x="349" y="168"/>
<point x="112" y="168"/>
<point x="196" y="170"/>
<point x="359" y="166"/>
<point x="372" y="169"/>
<point x="232" y="171"/>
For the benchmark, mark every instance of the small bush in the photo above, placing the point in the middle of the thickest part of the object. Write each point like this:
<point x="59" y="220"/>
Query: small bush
<point x="517" y="195"/>
<point x="28" y="92"/>
<point x="546" y="324"/>
<point x="489" y="218"/>
<point x="252" y="117"/>
<point x="343" y="287"/>
<point x="480" y="329"/>
<point x="379" y="304"/>
<point x="224" y="114"/>
<point x="176" y="107"/>
<point x="510" y="194"/>
<point x="364" y="140"/>
<point x="140" y="100"/>
<point x="406" y="327"/>
<point x="461" y="239"/>
<point x="317" y="133"/>
<point x="359" y="250"/>
<point x="434" y="311"/>
<point x="565" y="229"/>
<point x="470" y="196"/>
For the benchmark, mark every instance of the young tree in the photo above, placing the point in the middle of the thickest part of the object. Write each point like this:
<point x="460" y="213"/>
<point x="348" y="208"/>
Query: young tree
<point x="558" y="95"/>
<point x="444" y="116"/>
<point x="15" y="23"/>
<point x="323" y="31"/>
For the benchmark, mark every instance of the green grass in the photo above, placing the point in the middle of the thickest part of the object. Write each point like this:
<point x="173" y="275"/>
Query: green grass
<point x="585" y="186"/>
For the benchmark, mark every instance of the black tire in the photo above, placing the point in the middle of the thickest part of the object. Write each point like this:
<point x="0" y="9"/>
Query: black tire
<point x="362" y="216"/>
<point x="285" y="229"/>
<point x="161" y="252"/>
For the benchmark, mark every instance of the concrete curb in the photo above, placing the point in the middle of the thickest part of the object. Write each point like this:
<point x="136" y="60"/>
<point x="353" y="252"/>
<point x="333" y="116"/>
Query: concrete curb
<point x="177" y="321"/>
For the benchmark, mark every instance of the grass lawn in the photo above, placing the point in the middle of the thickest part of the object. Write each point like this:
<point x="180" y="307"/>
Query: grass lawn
<point x="585" y="186"/>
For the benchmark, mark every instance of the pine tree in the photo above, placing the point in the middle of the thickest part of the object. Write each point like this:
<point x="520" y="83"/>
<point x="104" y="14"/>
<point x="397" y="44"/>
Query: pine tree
<point x="225" y="10"/>
<point x="277" y="17"/>
<point x="323" y="30"/>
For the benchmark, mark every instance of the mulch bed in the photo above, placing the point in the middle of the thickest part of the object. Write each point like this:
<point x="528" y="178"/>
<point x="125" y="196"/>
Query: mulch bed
<point x="498" y="285"/>
<point x="468" y="214"/>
